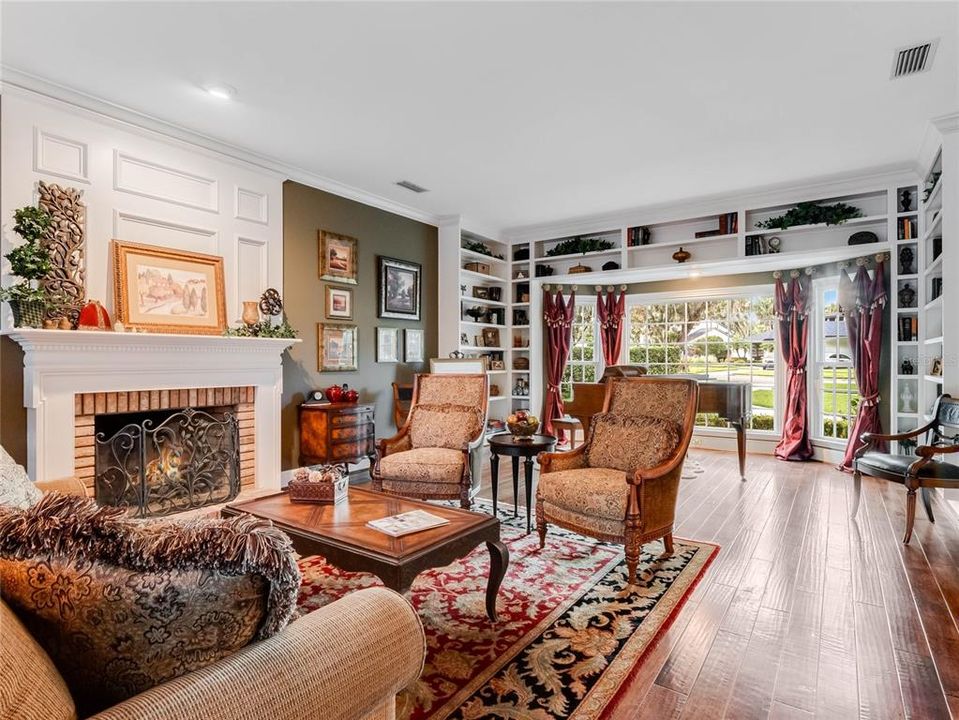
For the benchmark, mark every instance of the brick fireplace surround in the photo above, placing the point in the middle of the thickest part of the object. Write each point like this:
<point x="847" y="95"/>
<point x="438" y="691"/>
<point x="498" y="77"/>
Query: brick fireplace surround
<point x="87" y="406"/>
<point x="71" y="376"/>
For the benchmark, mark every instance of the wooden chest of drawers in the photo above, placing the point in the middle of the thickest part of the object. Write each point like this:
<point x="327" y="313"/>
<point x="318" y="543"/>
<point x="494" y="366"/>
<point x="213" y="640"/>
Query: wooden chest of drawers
<point x="336" y="433"/>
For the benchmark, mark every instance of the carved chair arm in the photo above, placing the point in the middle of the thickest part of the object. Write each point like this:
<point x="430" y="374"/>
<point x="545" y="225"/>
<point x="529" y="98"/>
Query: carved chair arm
<point x="398" y="443"/>
<point x="867" y="440"/>
<point x="559" y="461"/>
<point x="930" y="451"/>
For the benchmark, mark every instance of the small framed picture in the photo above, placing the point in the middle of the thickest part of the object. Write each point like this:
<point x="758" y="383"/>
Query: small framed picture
<point x="491" y="337"/>
<point x="337" y="257"/>
<point x="387" y="345"/>
<point x="936" y="368"/>
<point x="481" y="292"/>
<point x="339" y="303"/>
<point x="497" y="365"/>
<point x="336" y="347"/>
<point x="464" y="339"/>
<point x="400" y="289"/>
<point x="413" y="345"/>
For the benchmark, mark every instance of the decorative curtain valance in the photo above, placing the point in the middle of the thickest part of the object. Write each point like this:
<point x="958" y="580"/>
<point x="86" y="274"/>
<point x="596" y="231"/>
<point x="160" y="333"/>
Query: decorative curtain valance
<point x="792" y="313"/>
<point x="558" y="315"/>
<point x="862" y="300"/>
<point x="610" y="310"/>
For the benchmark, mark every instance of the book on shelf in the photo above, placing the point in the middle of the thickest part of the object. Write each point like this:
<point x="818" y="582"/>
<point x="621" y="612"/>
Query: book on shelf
<point x="908" y="328"/>
<point x="406" y="523"/>
<point x="907" y="228"/>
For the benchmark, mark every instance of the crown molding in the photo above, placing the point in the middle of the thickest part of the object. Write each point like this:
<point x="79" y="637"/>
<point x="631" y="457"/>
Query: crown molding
<point x="947" y="124"/>
<point x="865" y="180"/>
<point x="18" y="82"/>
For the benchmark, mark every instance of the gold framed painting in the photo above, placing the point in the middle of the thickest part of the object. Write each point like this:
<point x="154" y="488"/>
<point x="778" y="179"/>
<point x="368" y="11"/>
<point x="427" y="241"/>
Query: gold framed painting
<point x="339" y="303"/>
<point x="338" y="261"/>
<point x="336" y="347"/>
<point x="164" y="290"/>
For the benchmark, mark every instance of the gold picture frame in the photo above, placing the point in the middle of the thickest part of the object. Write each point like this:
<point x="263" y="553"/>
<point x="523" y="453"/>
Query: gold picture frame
<point x="338" y="261"/>
<point x="339" y="303"/>
<point x="336" y="347"/>
<point x="164" y="290"/>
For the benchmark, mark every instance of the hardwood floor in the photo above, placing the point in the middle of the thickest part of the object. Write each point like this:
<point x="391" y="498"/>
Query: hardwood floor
<point x="805" y="613"/>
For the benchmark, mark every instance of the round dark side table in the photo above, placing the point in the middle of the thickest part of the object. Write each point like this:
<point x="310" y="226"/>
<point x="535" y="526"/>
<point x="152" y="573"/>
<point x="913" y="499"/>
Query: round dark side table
<point x="505" y="444"/>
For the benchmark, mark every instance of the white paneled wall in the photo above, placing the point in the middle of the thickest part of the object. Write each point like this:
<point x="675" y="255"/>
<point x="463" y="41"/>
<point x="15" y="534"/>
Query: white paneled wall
<point x="140" y="186"/>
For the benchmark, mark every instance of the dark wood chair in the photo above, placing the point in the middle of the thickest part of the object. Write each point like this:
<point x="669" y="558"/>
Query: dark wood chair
<point x="917" y="472"/>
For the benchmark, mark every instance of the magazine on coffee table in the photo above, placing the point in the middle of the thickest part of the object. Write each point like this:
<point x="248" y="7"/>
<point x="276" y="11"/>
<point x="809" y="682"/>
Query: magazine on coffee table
<point x="406" y="523"/>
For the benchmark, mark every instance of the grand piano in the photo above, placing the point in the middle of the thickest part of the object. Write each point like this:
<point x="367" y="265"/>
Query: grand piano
<point x="730" y="400"/>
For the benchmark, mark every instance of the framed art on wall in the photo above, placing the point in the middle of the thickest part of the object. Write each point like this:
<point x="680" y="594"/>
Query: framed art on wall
<point x="400" y="289"/>
<point x="339" y="303"/>
<point x="336" y="347"/>
<point x="413" y="345"/>
<point x="338" y="261"/>
<point x="387" y="345"/>
<point x="165" y="290"/>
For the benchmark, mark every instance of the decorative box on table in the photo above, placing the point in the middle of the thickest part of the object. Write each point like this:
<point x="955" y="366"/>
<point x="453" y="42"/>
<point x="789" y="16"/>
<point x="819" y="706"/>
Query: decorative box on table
<point x="326" y="485"/>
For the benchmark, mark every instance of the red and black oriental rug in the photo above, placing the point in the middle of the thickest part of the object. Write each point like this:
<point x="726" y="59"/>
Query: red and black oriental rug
<point x="569" y="635"/>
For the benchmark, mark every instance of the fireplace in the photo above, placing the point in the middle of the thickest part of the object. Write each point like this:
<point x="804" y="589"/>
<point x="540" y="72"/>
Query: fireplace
<point x="159" y="452"/>
<point x="166" y="461"/>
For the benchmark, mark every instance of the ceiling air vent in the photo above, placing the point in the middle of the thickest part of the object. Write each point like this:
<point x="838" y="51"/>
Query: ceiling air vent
<point x="914" y="59"/>
<point x="411" y="186"/>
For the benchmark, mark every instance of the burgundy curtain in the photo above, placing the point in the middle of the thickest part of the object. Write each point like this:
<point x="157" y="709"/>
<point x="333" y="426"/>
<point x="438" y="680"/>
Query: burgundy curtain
<point x="559" y="330"/>
<point x="611" y="310"/>
<point x="863" y="300"/>
<point x="792" y="312"/>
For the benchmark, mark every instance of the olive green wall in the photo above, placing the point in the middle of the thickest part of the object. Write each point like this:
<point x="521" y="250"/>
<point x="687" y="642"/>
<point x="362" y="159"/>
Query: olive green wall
<point x="13" y="416"/>
<point x="305" y="211"/>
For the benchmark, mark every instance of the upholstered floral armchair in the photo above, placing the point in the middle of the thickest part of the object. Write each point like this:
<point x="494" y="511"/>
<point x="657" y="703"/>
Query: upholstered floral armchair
<point x="431" y="457"/>
<point x="621" y="485"/>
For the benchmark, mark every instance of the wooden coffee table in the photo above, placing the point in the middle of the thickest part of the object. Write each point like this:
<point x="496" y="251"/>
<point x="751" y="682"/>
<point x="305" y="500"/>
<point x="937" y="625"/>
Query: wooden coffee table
<point x="339" y="534"/>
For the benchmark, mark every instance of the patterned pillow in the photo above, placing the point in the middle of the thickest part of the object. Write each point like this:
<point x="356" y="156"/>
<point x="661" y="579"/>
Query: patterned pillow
<point x="630" y="443"/>
<point x="445" y="426"/>
<point x="16" y="489"/>
<point x="122" y="605"/>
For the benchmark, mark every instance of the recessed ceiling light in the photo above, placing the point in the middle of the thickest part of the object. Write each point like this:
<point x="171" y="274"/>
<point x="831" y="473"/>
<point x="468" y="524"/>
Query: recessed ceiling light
<point x="220" y="91"/>
<point x="694" y="273"/>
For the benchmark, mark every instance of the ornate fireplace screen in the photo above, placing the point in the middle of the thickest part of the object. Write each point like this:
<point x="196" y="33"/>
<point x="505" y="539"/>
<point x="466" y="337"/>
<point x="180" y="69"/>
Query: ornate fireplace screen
<point x="188" y="460"/>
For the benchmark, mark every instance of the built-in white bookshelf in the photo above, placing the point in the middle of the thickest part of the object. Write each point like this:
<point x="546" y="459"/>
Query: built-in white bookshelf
<point x="931" y="247"/>
<point x="906" y="321"/>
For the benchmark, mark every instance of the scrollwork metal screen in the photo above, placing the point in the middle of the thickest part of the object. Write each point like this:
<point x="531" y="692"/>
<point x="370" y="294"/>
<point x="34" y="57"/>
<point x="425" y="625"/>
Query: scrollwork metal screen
<point x="189" y="460"/>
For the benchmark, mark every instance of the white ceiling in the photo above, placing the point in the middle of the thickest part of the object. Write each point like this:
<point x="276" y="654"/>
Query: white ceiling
<point x="516" y="113"/>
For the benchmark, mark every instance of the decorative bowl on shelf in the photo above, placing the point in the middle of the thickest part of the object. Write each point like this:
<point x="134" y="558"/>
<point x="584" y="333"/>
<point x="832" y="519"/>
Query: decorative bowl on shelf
<point x="522" y="425"/>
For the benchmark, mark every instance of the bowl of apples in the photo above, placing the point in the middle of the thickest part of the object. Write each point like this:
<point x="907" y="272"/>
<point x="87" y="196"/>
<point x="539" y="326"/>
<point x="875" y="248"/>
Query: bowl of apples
<point x="522" y="425"/>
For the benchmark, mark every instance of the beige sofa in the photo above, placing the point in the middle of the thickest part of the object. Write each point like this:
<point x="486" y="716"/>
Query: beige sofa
<point x="346" y="660"/>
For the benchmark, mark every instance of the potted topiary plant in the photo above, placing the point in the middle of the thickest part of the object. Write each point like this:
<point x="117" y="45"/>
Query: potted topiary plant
<point x="29" y="261"/>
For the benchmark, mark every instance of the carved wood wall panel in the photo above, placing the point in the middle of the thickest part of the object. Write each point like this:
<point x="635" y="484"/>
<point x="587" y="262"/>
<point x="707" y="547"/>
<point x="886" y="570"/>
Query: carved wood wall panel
<point x="66" y="242"/>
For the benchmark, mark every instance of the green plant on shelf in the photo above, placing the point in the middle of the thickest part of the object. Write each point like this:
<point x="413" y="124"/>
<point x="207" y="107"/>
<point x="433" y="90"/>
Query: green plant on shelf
<point x="30" y="262"/>
<point x="578" y="245"/>
<point x="480" y="248"/>
<point x="811" y="213"/>
<point x="264" y="329"/>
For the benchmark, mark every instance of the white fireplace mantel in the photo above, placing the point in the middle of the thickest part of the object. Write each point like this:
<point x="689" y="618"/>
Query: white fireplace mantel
<point x="57" y="364"/>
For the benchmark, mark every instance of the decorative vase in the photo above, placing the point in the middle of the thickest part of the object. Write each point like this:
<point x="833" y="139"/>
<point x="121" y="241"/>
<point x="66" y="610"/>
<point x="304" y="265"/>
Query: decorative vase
<point x="27" y="313"/>
<point x="681" y="255"/>
<point x="906" y="256"/>
<point x="906" y="398"/>
<point x="334" y="393"/>
<point x="251" y="314"/>
<point x="351" y="396"/>
<point x="905" y="201"/>
<point x="907" y="296"/>
<point x="906" y="368"/>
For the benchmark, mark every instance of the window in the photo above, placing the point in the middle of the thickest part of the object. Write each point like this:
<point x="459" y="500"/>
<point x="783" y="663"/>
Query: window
<point x="836" y="393"/>
<point x="730" y="338"/>
<point x="584" y="352"/>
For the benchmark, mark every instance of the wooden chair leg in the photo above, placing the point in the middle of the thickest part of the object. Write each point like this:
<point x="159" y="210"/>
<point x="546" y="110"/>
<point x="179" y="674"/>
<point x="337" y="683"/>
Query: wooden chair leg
<point x="910" y="514"/>
<point x="857" y="491"/>
<point x="540" y="523"/>
<point x="668" y="543"/>
<point x="927" y="503"/>
<point x="633" y="550"/>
